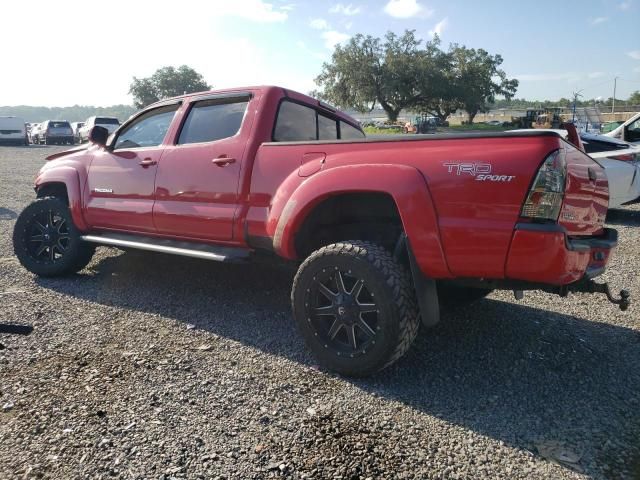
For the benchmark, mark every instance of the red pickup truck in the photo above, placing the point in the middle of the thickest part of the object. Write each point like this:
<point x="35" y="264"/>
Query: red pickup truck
<point x="385" y="229"/>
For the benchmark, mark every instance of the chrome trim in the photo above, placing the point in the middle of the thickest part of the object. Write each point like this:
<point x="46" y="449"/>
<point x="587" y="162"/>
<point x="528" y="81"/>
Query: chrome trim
<point x="185" y="252"/>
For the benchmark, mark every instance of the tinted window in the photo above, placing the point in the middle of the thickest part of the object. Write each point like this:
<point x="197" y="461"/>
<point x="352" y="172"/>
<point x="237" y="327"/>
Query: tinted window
<point x="211" y="120"/>
<point x="295" y="123"/>
<point x="148" y="130"/>
<point x="349" y="132"/>
<point x="107" y="121"/>
<point x="327" y="128"/>
<point x="59" y="125"/>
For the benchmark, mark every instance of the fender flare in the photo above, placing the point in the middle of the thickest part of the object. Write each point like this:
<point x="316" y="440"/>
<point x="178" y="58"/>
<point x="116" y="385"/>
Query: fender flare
<point x="70" y="178"/>
<point x="405" y="184"/>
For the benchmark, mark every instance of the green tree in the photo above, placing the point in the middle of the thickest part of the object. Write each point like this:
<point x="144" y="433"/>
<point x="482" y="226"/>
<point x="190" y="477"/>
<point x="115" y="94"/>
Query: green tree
<point x="479" y="80"/>
<point x="634" y="98"/>
<point x="164" y="83"/>
<point x="398" y="73"/>
<point x="367" y="71"/>
<point x="439" y="93"/>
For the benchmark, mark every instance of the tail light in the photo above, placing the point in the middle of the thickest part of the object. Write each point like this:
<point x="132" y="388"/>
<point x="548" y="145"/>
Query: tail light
<point x="544" y="200"/>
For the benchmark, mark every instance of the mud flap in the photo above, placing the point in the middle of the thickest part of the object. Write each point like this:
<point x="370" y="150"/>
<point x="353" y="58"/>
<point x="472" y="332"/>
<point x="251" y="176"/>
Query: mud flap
<point x="426" y="291"/>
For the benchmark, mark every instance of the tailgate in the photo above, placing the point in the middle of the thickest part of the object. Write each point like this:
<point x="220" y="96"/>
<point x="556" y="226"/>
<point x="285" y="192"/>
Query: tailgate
<point x="586" y="196"/>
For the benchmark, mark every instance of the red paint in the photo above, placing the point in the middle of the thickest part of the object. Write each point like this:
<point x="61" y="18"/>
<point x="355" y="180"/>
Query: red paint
<point x="458" y="224"/>
<point x="554" y="264"/>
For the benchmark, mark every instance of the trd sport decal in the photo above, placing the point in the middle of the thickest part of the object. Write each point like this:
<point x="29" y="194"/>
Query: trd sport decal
<point x="482" y="171"/>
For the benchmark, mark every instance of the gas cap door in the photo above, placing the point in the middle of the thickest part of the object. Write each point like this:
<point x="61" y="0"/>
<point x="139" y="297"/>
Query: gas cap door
<point x="311" y="163"/>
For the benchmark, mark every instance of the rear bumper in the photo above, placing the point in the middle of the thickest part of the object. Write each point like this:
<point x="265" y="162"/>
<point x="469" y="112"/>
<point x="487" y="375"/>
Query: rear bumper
<point x="58" y="138"/>
<point x="543" y="253"/>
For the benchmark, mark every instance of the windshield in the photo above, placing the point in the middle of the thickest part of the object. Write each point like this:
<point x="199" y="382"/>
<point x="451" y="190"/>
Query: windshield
<point x="107" y="121"/>
<point x="59" y="125"/>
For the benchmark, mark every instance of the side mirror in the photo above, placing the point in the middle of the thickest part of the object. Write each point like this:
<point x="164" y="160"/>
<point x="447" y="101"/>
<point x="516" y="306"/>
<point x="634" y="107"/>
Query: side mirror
<point x="99" y="135"/>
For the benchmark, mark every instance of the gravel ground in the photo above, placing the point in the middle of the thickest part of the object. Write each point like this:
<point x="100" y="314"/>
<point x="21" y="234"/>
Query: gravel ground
<point x="149" y="366"/>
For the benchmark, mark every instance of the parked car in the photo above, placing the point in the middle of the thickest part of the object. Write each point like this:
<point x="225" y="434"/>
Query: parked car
<point x="13" y="131"/>
<point x="270" y="170"/>
<point x="110" y="123"/>
<point x="75" y="127"/>
<point x="55" y="132"/>
<point x="629" y="131"/>
<point x="621" y="162"/>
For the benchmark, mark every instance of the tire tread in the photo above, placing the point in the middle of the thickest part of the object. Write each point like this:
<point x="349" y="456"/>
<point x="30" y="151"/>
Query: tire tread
<point x="396" y="278"/>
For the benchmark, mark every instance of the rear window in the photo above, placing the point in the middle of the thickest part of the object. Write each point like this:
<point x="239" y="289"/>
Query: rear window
<point x="59" y="125"/>
<point x="300" y="123"/>
<point x="295" y="122"/>
<point x="107" y="121"/>
<point x="211" y="120"/>
<point x="327" y="128"/>
<point x="349" y="132"/>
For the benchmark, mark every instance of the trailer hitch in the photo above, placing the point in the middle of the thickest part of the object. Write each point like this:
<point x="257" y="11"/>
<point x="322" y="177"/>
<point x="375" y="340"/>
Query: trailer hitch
<point x="589" y="286"/>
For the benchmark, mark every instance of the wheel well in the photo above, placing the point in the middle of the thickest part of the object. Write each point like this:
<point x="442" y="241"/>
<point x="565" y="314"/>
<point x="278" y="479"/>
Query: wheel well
<point x="351" y="216"/>
<point x="56" y="189"/>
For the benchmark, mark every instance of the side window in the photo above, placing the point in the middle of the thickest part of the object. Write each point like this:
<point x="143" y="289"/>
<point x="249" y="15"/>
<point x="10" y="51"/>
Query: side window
<point x="295" y="123"/>
<point x="349" y="132"/>
<point x="327" y="128"/>
<point x="148" y="130"/>
<point x="211" y="120"/>
<point x="633" y="131"/>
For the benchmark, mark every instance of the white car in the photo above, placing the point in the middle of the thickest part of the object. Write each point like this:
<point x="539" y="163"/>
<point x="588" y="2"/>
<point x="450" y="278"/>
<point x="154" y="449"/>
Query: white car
<point x="628" y="132"/>
<point x="623" y="173"/>
<point x="621" y="165"/>
<point x="13" y="130"/>
<point x="110" y="123"/>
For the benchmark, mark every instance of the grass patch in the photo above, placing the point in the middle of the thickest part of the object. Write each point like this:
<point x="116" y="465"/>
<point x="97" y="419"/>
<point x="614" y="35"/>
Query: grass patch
<point x="382" y="131"/>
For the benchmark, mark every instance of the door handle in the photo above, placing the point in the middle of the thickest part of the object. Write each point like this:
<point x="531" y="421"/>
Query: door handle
<point x="147" y="162"/>
<point x="592" y="174"/>
<point x="223" y="161"/>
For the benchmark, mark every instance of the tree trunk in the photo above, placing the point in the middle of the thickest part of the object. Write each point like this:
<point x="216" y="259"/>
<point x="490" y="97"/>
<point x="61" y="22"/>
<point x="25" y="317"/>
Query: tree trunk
<point x="442" y="115"/>
<point x="471" y="115"/>
<point x="392" y="112"/>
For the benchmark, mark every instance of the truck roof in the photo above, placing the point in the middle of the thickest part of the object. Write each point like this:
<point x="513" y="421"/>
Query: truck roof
<point x="264" y="88"/>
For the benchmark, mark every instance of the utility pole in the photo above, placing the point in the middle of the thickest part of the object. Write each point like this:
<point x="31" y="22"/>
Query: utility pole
<point x="613" y="106"/>
<point x="575" y="100"/>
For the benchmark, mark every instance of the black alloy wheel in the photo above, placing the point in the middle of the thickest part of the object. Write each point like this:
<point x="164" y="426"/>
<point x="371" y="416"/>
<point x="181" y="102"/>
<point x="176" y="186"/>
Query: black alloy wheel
<point x="48" y="237"/>
<point x="342" y="311"/>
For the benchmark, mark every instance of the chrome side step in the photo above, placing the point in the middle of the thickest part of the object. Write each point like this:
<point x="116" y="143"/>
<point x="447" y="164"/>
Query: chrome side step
<point x="174" y="247"/>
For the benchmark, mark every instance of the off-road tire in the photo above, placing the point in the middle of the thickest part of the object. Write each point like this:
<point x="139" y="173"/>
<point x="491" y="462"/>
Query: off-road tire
<point x="389" y="283"/>
<point x="77" y="254"/>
